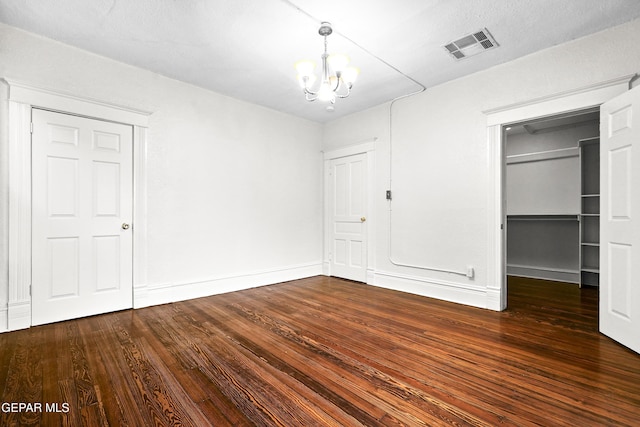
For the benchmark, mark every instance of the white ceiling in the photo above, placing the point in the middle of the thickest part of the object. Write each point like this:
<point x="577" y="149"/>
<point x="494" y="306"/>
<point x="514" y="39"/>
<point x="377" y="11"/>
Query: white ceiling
<point x="246" y="48"/>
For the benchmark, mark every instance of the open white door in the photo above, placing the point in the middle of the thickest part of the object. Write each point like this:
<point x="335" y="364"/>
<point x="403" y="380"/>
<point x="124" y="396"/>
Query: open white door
<point x="619" y="226"/>
<point x="348" y="204"/>
<point x="82" y="205"/>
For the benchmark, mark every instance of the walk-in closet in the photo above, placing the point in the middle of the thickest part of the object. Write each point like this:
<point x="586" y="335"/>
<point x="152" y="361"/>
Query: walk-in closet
<point x="553" y="202"/>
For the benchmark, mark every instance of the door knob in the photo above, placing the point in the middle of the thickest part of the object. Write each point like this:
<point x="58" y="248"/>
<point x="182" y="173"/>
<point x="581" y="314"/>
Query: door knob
<point x="125" y="226"/>
<point x="363" y="219"/>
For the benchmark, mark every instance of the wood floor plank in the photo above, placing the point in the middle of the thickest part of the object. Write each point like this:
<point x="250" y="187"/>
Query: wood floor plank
<point x="287" y="356"/>
<point x="304" y="366"/>
<point x="326" y="351"/>
<point x="377" y="354"/>
<point x="216" y="407"/>
<point x="364" y="373"/>
<point x="24" y="380"/>
<point x="148" y="382"/>
<point x="390" y="344"/>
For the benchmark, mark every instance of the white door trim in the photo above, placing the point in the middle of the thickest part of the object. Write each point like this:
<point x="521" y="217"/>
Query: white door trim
<point x="368" y="148"/>
<point x="564" y="102"/>
<point x="15" y="313"/>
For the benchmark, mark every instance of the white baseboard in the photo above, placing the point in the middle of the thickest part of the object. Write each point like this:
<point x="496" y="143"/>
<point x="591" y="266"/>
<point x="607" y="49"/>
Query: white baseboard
<point x="371" y="276"/>
<point x="141" y="296"/>
<point x="18" y="315"/>
<point x="494" y="300"/>
<point x="544" y="273"/>
<point x="4" y="322"/>
<point x="326" y="268"/>
<point x="164" y="294"/>
<point x="473" y="295"/>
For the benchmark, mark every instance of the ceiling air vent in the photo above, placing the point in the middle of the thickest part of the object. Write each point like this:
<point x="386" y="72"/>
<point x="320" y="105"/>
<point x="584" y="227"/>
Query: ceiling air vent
<point x="472" y="44"/>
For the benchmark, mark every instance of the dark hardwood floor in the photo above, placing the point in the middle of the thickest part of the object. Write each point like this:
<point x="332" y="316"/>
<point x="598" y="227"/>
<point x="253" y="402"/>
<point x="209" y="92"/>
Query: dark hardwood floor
<point x="325" y="351"/>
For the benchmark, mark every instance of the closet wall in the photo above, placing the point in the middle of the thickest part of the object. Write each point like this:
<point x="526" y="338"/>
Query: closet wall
<point x="544" y="186"/>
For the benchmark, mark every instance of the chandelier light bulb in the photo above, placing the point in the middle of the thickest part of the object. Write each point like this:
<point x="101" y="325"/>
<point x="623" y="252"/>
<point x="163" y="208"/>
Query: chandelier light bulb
<point x="305" y="68"/>
<point x="350" y="75"/>
<point x="326" y="93"/>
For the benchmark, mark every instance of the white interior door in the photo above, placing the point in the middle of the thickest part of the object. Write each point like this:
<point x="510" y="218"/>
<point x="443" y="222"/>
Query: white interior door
<point x="619" y="228"/>
<point x="347" y="196"/>
<point x="82" y="192"/>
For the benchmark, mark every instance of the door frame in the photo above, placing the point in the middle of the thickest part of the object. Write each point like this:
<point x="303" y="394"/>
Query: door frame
<point x="560" y="103"/>
<point x="21" y="98"/>
<point x="368" y="148"/>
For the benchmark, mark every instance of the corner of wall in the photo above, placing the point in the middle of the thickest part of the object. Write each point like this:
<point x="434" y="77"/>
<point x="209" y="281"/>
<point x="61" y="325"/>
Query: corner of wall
<point x="174" y="292"/>
<point x="4" y="203"/>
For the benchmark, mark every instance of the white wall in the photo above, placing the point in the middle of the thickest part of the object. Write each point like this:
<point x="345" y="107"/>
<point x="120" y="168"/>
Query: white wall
<point x="222" y="202"/>
<point x="440" y="160"/>
<point x="234" y="189"/>
<point x="551" y="186"/>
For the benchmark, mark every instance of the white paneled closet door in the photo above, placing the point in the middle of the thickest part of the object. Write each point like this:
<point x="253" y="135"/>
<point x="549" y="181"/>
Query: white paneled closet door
<point x="82" y="207"/>
<point x="619" y="225"/>
<point x="348" y="204"/>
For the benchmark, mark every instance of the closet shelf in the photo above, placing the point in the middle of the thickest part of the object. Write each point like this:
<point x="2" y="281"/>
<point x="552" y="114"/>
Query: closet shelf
<point x="543" y="217"/>
<point x="590" y="216"/>
<point x="560" y="153"/>
<point x="592" y="140"/>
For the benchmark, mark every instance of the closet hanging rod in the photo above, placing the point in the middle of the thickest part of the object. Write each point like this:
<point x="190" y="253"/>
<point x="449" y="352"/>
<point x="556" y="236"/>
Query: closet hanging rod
<point x="560" y="153"/>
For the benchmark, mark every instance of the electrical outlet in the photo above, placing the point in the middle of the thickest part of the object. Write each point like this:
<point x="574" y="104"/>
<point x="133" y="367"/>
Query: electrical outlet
<point x="470" y="272"/>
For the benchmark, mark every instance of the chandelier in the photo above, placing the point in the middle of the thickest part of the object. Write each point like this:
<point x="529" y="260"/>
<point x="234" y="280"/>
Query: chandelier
<point x="336" y="80"/>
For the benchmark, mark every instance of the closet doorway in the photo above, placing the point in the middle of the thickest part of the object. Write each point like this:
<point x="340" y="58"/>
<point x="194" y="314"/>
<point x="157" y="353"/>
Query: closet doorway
<point x="552" y="179"/>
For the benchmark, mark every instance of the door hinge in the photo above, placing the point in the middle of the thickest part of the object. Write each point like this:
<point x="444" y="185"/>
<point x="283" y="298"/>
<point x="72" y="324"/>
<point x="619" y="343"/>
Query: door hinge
<point x="30" y="290"/>
<point x="31" y="127"/>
